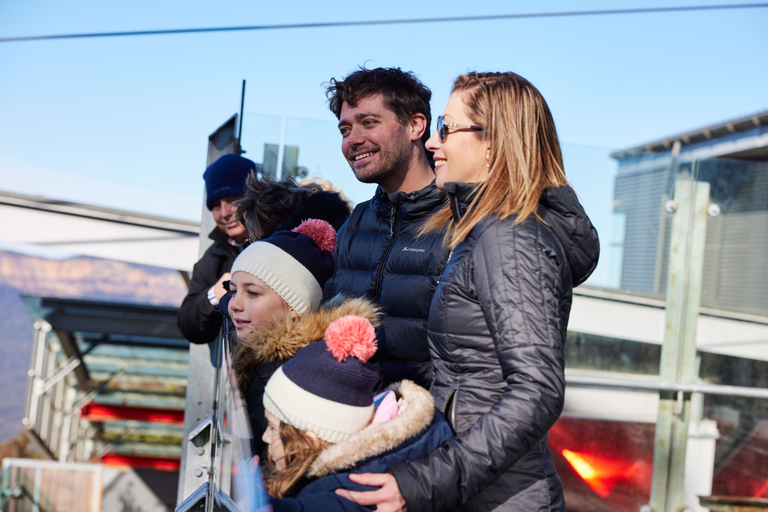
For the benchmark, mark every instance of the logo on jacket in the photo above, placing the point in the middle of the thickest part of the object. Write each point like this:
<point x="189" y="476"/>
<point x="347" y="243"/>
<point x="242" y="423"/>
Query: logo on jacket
<point x="413" y="249"/>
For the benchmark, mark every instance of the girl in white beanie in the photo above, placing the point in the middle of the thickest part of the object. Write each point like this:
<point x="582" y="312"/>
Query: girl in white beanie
<point x="276" y="282"/>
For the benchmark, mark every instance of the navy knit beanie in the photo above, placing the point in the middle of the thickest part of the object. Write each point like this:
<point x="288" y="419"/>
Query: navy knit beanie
<point x="328" y="386"/>
<point x="226" y="177"/>
<point x="294" y="264"/>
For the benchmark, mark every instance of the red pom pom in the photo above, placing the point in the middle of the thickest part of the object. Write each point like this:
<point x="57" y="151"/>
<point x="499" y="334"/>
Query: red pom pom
<point x="321" y="232"/>
<point x="351" y="336"/>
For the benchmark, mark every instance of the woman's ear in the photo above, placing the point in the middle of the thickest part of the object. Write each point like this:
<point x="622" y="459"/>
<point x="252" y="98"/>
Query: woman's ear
<point x="312" y="438"/>
<point x="294" y="314"/>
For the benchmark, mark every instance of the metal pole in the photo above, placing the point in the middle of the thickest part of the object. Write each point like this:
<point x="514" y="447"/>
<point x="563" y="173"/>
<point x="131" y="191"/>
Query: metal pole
<point x="240" y="150"/>
<point x="678" y="354"/>
<point x="202" y="372"/>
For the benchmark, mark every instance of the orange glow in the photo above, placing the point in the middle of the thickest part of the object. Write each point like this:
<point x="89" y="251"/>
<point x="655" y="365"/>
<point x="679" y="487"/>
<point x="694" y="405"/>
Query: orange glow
<point x="601" y="474"/>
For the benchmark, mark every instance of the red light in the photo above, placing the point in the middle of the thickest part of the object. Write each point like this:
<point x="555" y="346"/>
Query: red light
<point x="600" y="473"/>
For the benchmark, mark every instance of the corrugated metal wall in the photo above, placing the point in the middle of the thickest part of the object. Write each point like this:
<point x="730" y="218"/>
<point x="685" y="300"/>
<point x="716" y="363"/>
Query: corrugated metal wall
<point x="735" y="265"/>
<point x="640" y="196"/>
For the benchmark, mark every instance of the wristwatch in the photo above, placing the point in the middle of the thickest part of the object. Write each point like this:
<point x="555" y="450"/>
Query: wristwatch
<point x="212" y="296"/>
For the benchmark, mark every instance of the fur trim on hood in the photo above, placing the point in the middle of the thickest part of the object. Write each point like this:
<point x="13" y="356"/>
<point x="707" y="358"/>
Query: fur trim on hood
<point x="381" y="438"/>
<point x="280" y="341"/>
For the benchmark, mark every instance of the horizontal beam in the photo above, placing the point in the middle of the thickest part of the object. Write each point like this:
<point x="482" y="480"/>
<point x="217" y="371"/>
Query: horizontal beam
<point x="103" y="412"/>
<point x="639" y="385"/>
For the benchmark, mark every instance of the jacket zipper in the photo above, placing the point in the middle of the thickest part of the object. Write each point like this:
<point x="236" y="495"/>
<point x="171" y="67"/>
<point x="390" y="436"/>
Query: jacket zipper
<point x="394" y="230"/>
<point x="440" y="277"/>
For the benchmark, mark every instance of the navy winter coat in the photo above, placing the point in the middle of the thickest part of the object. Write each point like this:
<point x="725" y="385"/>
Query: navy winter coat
<point x="418" y="431"/>
<point x="380" y="256"/>
<point x="497" y="328"/>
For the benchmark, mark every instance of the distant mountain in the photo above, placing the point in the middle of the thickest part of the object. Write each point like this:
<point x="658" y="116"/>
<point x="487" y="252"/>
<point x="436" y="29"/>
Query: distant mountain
<point x="76" y="278"/>
<point x="91" y="278"/>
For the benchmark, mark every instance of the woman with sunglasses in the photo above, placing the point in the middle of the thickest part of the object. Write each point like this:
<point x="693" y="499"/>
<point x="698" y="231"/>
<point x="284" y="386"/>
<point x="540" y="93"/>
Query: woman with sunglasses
<point x="497" y="325"/>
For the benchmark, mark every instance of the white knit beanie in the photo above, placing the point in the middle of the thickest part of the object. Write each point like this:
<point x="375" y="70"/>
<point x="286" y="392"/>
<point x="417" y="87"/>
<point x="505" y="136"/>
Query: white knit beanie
<point x="295" y="264"/>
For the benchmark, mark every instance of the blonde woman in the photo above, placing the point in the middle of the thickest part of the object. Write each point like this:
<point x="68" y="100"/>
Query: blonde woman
<point x="497" y="325"/>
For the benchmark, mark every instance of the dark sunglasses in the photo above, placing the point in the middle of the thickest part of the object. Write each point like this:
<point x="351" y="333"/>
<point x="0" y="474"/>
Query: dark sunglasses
<point x="442" y="127"/>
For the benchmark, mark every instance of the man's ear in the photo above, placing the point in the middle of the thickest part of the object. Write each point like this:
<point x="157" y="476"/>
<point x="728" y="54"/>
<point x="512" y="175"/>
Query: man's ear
<point x="417" y="126"/>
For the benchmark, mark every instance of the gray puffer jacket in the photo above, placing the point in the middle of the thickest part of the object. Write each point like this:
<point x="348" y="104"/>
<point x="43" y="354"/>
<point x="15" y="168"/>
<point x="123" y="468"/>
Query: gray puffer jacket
<point x="497" y="328"/>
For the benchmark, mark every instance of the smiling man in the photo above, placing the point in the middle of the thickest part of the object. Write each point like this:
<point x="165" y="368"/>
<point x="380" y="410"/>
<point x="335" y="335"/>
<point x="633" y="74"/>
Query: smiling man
<point x="384" y="120"/>
<point x="199" y="319"/>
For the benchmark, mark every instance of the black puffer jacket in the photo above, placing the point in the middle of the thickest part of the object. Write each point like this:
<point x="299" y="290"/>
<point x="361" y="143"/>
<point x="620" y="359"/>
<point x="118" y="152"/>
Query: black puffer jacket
<point x="497" y="328"/>
<point x="380" y="256"/>
<point x="198" y="320"/>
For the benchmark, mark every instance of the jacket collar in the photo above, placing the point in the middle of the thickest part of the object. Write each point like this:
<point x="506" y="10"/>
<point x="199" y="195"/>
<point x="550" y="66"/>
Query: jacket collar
<point x="410" y="205"/>
<point x="281" y="340"/>
<point x="459" y="197"/>
<point x="221" y="243"/>
<point x="382" y="438"/>
<point x="218" y="236"/>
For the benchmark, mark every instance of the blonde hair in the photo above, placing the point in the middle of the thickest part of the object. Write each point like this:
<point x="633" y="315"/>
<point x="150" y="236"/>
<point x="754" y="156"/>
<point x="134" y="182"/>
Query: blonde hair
<point x="525" y="156"/>
<point x="300" y="452"/>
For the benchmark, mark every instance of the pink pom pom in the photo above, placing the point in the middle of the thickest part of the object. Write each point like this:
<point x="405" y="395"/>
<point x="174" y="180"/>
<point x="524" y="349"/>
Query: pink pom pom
<point x="351" y="336"/>
<point x="321" y="232"/>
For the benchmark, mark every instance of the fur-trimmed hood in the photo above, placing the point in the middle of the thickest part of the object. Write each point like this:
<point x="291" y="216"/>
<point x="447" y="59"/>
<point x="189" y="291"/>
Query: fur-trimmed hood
<point x="382" y="438"/>
<point x="280" y="341"/>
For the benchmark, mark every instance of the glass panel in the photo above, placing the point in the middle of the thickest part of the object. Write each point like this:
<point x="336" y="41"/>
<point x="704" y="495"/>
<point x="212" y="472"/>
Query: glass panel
<point x="311" y="148"/>
<point x="736" y="270"/>
<point x="732" y="336"/>
<point x="741" y="453"/>
<point x="611" y="355"/>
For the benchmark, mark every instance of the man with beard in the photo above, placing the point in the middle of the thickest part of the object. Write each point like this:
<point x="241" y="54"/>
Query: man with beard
<point x="384" y="120"/>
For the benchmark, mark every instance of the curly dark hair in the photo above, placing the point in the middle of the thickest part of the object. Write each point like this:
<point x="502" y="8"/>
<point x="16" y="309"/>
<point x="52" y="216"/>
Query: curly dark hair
<point x="271" y="205"/>
<point x="403" y="93"/>
<point x="268" y="201"/>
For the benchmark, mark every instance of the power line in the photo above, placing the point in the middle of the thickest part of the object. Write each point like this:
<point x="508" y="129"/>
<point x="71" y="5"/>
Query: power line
<point x="383" y="22"/>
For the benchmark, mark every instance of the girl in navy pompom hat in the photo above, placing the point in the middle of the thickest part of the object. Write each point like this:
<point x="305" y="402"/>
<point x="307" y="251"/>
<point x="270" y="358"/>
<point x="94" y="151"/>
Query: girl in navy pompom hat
<point x="325" y="423"/>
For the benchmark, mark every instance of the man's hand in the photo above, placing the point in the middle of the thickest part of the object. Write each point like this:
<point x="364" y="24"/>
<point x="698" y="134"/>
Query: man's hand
<point x="386" y="499"/>
<point x="218" y="288"/>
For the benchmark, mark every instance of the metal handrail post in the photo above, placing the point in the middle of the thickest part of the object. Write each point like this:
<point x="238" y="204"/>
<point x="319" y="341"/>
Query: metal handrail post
<point x="678" y="353"/>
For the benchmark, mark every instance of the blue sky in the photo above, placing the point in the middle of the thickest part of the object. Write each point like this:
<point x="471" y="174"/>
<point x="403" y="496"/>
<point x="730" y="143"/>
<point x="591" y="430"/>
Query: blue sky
<point x="123" y="122"/>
